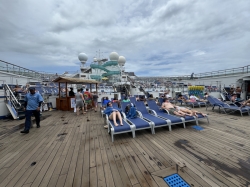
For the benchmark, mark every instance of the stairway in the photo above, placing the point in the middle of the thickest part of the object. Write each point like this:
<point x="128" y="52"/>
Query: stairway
<point x="122" y="89"/>
<point x="135" y="85"/>
<point x="13" y="103"/>
<point x="142" y="90"/>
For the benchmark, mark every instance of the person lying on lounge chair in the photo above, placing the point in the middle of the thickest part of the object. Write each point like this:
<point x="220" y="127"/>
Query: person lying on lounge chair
<point x="183" y="109"/>
<point x="180" y="97"/>
<point x="113" y="113"/>
<point x="151" y="97"/>
<point x="245" y="103"/>
<point x="193" y="98"/>
<point x="186" y="99"/>
<point x="189" y="111"/>
<point x="235" y="101"/>
<point x="105" y="101"/>
<point x="169" y="107"/>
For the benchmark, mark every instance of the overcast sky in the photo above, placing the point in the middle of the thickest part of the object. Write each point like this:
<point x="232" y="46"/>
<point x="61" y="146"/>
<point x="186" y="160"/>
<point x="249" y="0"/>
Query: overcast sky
<point x="157" y="37"/>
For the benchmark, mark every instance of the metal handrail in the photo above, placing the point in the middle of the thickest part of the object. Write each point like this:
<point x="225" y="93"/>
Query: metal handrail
<point x="244" y="69"/>
<point x="233" y="71"/>
<point x="18" y="70"/>
<point x="11" y="96"/>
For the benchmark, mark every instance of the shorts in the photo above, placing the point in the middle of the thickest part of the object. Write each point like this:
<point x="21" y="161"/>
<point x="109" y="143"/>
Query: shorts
<point x="172" y="110"/>
<point x="179" y="108"/>
<point x="88" y="102"/>
<point x="79" y="104"/>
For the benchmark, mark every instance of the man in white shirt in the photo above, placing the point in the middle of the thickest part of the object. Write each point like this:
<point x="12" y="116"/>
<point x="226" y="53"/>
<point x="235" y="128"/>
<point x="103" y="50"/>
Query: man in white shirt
<point x="193" y="97"/>
<point x="167" y="96"/>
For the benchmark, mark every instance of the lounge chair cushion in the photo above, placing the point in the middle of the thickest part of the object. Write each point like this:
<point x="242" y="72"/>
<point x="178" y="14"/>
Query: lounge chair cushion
<point x="139" y="123"/>
<point x="125" y="127"/>
<point x="156" y="120"/>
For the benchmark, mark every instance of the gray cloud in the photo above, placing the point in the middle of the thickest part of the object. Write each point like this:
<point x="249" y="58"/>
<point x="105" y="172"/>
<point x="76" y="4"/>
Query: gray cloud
<point x="168" y="37"/>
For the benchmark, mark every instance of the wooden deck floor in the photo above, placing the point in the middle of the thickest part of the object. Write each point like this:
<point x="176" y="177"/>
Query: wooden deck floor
<point x="69" y="150"/>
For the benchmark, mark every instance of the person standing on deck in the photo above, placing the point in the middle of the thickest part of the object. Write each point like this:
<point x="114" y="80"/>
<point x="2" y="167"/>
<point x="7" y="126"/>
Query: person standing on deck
<point x="32" y="105"/>
<point x="192" y="76"/>
<point x="79" y="99"/>
<point x="95" y="102"/>
<point x="88" y="99"/>
<point x="71" y="92"/>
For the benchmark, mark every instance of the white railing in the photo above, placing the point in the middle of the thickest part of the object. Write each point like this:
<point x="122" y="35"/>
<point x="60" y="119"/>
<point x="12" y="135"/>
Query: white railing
<point x="226" y="72"/>
<point x="18" y="70"/>
<point x="9" y="96"/>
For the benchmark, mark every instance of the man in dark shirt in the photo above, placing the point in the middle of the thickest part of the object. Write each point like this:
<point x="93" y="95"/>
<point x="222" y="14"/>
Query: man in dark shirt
<point x="71" y="92"/>
<point x="192" y="76"/>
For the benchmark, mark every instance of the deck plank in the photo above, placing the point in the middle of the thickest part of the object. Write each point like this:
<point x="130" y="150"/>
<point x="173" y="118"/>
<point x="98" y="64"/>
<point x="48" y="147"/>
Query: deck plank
<point x="119" y="173"/>
<point x="79" y="163"/>
<point x="66" y="141"/>
<point x="104" y="147"/>
<point x="86" y="169"/>
<point x="73" y="162"/>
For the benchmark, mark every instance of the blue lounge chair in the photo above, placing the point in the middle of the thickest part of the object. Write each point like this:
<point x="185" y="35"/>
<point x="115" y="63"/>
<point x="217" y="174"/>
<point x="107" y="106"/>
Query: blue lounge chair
<point x="119" y="129"/>
<point x="40" y="90"/>
<point x="55" y="91"/>
<point x="132" y="100"/>
<point x="115" y="104"/>
<point x="160" y="100"/>
<point x="197" y="103"/>
<point x="153" y="106"/>
<point x="48" y="91"/>
<point x="138" y="122"/>
<point x="232" y="108"/>
<point x="162" y="114"/>
<point x="103" y="106"/>
<point x="201" y="103"/>
<point x="226" y="107"/>
<point x="212" y="103"/>
<point x="157" y="122"/>
<point x="122" y="97"/>
<point x="178" y="100"/>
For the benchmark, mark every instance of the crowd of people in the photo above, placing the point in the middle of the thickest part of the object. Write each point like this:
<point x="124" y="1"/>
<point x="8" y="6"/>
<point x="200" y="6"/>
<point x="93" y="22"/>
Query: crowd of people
<point x="85" y="100"/>
<point x="166" y="105"/>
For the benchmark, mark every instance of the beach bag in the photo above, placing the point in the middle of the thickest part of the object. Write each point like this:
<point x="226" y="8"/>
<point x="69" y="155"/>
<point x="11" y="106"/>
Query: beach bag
<point x="131" y="111"/>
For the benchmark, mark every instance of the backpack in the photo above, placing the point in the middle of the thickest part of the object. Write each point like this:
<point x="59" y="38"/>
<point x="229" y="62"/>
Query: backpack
<point x="130" y="111"/>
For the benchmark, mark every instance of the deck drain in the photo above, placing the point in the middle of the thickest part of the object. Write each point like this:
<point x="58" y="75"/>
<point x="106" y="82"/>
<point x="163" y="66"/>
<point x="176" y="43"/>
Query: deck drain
<point x="199" y="128"/>
<point x="175" y="181"/>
